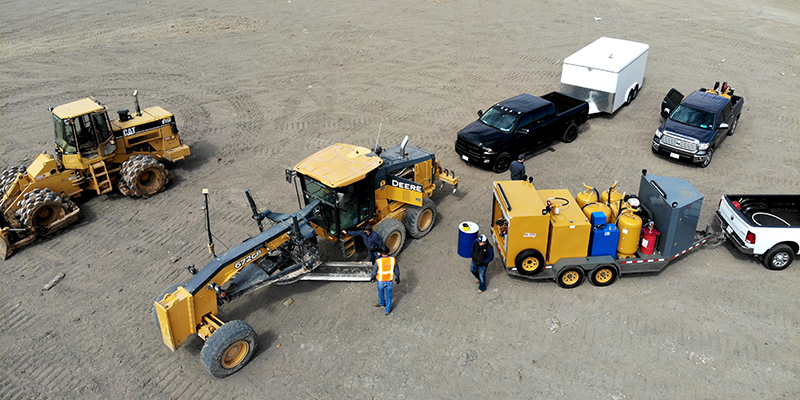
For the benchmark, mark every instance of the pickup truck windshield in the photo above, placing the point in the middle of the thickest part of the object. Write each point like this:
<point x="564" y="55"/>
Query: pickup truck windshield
<point x="499" y="119"/>
<point x="693" y="117"/>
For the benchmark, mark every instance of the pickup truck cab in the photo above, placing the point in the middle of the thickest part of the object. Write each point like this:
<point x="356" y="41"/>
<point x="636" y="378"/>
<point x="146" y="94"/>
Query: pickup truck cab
<point x="765" y="225"/>
<point x="519" y="125"/>
<point x="695" y="126"/>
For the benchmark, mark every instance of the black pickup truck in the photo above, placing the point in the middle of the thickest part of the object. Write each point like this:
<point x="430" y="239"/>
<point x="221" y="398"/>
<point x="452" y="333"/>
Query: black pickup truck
<point x="519" y="125"/>
<point x="695" y="126"/>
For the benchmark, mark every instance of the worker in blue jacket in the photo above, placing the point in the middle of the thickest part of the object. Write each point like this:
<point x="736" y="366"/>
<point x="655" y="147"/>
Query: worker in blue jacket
<point x="371" y="239"/>
<point x="482" y="255"/>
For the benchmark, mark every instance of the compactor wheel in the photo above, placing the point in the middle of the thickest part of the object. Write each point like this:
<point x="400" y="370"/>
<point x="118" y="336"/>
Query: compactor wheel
<point x="8" y="176"/>
<point x="228" y="349"/>
<point x="393" y="234"/>
<point x="40" y="208"/>
<point x="5" y="248"/>
<point x="143" y="176"/>
<point x="419" y="220"/>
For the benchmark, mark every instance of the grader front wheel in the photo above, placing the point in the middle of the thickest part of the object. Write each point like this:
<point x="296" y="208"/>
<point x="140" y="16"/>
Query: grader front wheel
<point x="228" y="349"/>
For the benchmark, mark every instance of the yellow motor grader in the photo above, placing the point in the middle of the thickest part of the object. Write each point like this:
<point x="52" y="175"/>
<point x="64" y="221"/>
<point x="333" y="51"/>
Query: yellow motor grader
<point x="340" y="187"/>
<point x="93" y="153"/>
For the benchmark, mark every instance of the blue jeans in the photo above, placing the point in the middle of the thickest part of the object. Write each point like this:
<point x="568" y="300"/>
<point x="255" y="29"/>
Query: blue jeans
<point x="373" y="255"/>
<point x="385" y="295"/>
<point x="479" y="271"/>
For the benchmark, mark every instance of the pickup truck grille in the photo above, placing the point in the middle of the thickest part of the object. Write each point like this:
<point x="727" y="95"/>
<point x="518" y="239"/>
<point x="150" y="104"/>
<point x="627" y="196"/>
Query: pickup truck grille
<point x="679" y="143"/>
<point x="471" y="150"/>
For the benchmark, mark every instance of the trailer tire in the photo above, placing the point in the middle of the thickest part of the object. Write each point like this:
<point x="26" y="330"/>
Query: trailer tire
<point x="571" y="133"/>
<point x="501" y="163"/>
<point x="419" y="220"/>
<point x="170" y="289"/>
<point x="529" y="262"/>
<point x="604" y="275"/>
<point x="632" y="95"/>
<point x="228" y="349"/>
<point x="393" y="234"/>
<point x="570" y="277"/>
<point x="779" y="257"/>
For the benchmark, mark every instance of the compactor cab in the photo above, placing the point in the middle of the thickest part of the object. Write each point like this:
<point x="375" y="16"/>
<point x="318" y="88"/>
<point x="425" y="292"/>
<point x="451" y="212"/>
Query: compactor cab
<point x="356" y="186"/>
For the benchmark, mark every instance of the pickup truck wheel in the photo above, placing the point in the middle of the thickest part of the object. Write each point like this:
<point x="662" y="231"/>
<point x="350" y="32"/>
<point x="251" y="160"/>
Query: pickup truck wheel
<point x="603" y="275"/>
<point x="529" y="262"/>
<point x="570" y="277"/>
<point x="709" y="154"/>
<point x="779" y="257"/>
<point x="571" y="133"/>
<point x="733" y="126"/>
<point x="228" y="349"/>
<point x="502" y="163"/>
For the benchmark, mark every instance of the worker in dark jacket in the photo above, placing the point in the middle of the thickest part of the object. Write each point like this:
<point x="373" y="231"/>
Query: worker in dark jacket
<point x="386" y="272"/>
<point x="371" y="239"/>
<point x="482" y="255"/>
<point x="518" y="169"/>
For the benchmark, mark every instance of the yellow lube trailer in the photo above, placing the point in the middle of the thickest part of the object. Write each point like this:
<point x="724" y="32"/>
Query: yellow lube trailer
<point x="607" y="73"/>
<point x="543" y="234"/>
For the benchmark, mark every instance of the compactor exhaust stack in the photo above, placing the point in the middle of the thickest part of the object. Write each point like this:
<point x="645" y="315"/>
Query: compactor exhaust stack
<point x="136" y="103"/>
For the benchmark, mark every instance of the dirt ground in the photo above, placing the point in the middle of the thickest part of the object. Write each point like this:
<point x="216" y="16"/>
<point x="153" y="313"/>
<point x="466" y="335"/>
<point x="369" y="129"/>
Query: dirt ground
<point x="257" y="86"/>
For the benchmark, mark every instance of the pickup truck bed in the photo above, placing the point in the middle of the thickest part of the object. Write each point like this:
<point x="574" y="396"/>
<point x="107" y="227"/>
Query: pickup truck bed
<point x="766" y="225"/>
<point x="563" y="102"/>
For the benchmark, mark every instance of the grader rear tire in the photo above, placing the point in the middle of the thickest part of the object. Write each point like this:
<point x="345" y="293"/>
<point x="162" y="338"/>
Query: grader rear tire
<point x="41" y="208"/>
<point x="228" y="349"/>
<point x="143" y="175"/>
<point x="419" y="220"/>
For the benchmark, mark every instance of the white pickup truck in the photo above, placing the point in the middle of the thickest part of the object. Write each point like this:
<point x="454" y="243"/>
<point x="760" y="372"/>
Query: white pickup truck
<point x="765" y="225"/>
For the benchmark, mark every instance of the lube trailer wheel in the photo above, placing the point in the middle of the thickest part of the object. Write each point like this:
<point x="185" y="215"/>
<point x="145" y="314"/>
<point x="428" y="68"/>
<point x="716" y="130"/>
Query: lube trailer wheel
<point x="529" y="262"/>
<point x="228" y="349"/>
<point x="603" y="275"/>
<point x="570" y="277"/>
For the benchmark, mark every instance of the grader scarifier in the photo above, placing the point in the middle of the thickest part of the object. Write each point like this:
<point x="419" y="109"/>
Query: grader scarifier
<point x="93" y="153"/>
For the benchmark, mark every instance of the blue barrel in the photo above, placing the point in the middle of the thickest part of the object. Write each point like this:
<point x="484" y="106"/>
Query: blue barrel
<point x="467" y="233"/>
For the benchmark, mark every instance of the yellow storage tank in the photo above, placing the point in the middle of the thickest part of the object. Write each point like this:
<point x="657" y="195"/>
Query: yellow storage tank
<point x="612" y="195"/>
<point x="590" y="195"/>
<point x="569" y="227"/>
<point x="589" y="208"/>
<point x="630" y="228"/>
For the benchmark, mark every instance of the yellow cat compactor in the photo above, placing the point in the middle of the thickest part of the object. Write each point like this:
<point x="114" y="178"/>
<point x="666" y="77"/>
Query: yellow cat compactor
<point x="94" y="153"/>
<point x="340" y="188"/>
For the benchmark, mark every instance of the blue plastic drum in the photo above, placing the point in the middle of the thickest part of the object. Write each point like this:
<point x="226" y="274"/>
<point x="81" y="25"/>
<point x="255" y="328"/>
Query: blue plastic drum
<point x="467" y="233"/>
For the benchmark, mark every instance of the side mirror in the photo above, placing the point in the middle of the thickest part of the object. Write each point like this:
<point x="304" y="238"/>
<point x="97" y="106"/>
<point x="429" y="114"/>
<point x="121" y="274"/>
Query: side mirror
<point x="289" y="174"/>
<point x="724" y="125"/>
<point x="667" y="110"/>
<point x="523" y="130"/>
<point x="480" y="113"/>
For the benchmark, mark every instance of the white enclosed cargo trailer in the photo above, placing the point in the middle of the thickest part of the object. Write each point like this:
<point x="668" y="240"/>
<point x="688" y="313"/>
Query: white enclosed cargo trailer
<point x="607" y="73"/>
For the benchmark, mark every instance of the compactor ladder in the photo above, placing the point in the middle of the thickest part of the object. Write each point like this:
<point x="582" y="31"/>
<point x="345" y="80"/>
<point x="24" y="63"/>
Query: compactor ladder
<point x="102" y="181"/>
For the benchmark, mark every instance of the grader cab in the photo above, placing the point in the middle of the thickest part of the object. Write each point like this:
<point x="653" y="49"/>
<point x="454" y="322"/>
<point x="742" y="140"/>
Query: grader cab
<point x="94" y="153"/>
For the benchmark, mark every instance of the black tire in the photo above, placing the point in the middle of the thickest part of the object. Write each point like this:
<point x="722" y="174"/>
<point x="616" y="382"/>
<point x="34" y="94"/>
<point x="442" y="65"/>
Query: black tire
<point x="143" y="176"/>
<point x="709" y="154"/>
<point x="734" y="124"/>
<point x="228" y="349"/>
<point x="603" y="275"/>
<point x="632" y="95"/>
<point x="501" y="163"/>
<point x="8" y="176"/>
<point x="779" y="257"/>
<point x="40" y="208"/>
<point x="170" y="289"/>
<point x="393" y="234"/>
<point x="570" y="134"/>
<point x="419" y="220"/>
<point x="570" y="277"/>
<point x="529" y="262"/>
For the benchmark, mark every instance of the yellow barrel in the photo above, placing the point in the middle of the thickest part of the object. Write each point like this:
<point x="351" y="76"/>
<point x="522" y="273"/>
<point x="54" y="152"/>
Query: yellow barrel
<point x="615" y="194"/>
<point x="589" y="208"/>
<point x="616" y="206"/>
<point x="630" y="228"/>
<point x="589" y="195"/>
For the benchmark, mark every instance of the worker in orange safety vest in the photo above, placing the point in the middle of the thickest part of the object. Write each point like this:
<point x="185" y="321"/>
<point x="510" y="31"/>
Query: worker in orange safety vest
<point x="386" y="272"/>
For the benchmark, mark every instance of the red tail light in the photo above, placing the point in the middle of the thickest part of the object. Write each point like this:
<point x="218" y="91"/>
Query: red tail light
<point x="750" y="238"/>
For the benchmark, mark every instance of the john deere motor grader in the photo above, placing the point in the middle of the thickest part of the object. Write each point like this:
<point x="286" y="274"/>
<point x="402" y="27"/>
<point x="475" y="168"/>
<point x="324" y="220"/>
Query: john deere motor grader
<point x="93" y="153"/>
<point x="342" y="187"/>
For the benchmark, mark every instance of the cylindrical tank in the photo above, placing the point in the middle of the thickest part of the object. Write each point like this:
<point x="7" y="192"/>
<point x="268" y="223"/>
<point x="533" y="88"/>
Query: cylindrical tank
<point x="467" y="233"/>
<point x="590" y="195"/>
<point x="630" y="228"/>
<point x="649" y="236"/>
<point x="616" y="206"/>
<point x="615" y="194"/>
<point x="589" y="208"/>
